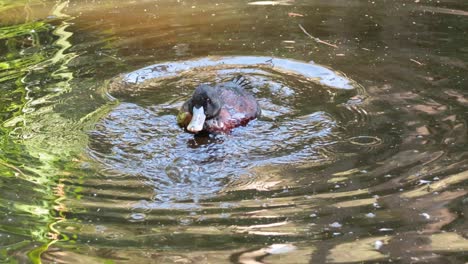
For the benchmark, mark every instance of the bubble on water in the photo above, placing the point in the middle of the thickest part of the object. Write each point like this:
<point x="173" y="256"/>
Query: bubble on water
<point x="370" y="215"/>
<point x="137" y="216"/>
<point x="378" y="244"/>
<point x="335" y="225"/>
<point x="426" y="216"/>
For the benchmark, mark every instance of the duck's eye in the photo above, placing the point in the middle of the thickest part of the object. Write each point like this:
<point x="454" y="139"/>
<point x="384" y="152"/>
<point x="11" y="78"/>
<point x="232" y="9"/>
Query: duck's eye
<point x="208" y="100"/>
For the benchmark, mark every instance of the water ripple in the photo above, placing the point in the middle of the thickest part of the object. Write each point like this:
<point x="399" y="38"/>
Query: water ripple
<point x="140" y="136"/>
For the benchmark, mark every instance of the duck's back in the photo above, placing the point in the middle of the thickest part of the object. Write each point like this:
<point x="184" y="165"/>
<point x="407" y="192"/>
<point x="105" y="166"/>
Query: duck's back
<point x="239" y="106"/>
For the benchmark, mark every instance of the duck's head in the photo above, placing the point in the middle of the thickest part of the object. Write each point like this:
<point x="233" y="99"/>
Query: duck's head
<point x="204" y="104"/>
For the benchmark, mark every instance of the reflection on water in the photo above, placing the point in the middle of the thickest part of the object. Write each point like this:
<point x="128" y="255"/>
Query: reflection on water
<point x="360" y="160"/>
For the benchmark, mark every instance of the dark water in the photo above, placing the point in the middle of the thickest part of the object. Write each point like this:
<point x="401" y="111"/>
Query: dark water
<point x="360" y="155"/>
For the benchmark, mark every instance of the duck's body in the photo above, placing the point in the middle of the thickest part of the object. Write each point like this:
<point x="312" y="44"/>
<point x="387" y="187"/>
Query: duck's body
<point x="219" y="109"/>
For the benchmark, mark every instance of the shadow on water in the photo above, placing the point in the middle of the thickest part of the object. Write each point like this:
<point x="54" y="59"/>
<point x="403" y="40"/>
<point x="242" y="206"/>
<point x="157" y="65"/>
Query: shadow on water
<point x="361" y="160"/>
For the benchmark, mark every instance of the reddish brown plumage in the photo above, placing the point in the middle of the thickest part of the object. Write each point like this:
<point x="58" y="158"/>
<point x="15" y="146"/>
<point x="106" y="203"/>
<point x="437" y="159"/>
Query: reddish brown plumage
<point x="237" y="107"/>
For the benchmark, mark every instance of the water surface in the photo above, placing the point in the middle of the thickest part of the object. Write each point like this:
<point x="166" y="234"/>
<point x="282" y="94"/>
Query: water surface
<point x="359" y="156"/>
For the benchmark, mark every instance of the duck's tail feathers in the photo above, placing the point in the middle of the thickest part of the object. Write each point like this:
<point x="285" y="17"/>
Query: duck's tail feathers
<point x="242" y="82"/>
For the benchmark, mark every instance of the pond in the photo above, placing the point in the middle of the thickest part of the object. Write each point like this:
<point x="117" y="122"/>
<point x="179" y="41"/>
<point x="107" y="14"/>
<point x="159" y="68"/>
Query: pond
<point x="360" y="154"/>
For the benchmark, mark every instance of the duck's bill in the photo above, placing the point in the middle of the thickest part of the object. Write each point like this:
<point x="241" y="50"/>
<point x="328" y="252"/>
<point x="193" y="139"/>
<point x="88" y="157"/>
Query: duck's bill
<point x="198" y="119"/>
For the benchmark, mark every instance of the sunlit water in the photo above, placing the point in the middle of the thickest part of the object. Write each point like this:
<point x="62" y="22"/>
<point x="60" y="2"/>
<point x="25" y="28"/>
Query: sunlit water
<point x="359" y="155"/>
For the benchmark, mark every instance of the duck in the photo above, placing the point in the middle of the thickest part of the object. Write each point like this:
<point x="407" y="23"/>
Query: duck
<point x="219" y="108"/>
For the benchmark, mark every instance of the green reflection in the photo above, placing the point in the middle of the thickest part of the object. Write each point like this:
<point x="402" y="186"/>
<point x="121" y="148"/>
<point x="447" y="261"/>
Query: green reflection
<point x="29" y="152"/>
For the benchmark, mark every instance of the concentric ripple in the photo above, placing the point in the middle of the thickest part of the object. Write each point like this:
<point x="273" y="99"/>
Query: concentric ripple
<point x="140" y="137"/>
